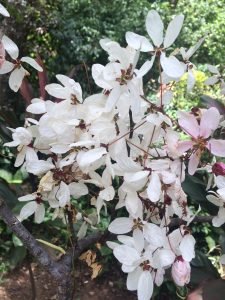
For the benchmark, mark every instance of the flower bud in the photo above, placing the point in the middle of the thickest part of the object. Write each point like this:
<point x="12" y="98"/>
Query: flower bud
<point x="181" y="271"/>
<point x="219" y="168"/>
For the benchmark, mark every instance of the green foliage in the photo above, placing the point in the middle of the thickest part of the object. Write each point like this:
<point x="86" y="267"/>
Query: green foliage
<point x="202" y="18"/>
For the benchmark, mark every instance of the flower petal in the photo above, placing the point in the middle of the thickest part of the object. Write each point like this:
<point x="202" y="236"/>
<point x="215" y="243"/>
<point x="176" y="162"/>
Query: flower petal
<point x="16" y="78"/>
<point x="217" y="147"/>
<point x="193" y="162"/>
<point x="187" y="247"/>
<point x="173" y="30"/>
<point x="172" y="66"/>
<point x="133" y="278"/>
<point x="154" y="26"/>
<point x="28" y="210"/>
<point x="209" y="122"/>
<point x="154" y="188"/>
<point x="145" y="286"/>
<point x="121" y="225"/>
<point x="126" y="255"/>
<point x="39" y="213"/>
<point x="4" y="11"/>
<point x="32" y="62"/>
<point x="10" y="47"/>
<point x="188" y="123"/>
<point x="138" y="42"/>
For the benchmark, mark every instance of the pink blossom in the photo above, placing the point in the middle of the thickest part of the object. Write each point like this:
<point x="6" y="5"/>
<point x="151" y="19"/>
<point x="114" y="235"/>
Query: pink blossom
<point x="181" y="271"/>
<point x="200" y="136"/>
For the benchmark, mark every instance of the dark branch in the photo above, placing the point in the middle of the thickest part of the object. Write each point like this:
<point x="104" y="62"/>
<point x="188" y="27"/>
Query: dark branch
<point x="175" y="222"/>
<point x="29" y="241"/>
<point x="56" y="268"/>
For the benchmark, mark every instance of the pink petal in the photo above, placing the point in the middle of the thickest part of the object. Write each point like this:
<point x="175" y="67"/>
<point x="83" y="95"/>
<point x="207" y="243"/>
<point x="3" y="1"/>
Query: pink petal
<point x="193" y="162"/>
<point x="217" y="147"/>
<point x="184" y="146"/>
<point x="188" y="123"/>
<point x="209" y="122"/>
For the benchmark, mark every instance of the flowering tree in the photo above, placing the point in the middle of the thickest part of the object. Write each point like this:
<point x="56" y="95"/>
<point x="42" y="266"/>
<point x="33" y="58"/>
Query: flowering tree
<point x="126" y="146"/>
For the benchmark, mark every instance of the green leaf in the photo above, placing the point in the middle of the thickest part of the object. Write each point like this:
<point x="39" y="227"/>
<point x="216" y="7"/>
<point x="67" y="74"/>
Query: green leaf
<point x="17" y="255"/>
<point x="16" y="241"/>
<point x="105" y="251"/>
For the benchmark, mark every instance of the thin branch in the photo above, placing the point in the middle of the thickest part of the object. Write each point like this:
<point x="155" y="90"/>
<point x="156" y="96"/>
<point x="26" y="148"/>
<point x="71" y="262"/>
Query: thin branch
<point x="40" y="254"/>
<point x="198" y="219"/>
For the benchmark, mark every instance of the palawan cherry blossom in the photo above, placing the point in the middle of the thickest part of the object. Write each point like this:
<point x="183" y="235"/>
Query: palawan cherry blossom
<point x="122" y="152"/>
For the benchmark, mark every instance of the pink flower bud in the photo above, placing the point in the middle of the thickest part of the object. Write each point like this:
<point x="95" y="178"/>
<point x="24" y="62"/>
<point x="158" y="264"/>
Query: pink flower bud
<point x="181" y="271"/>
<point x="218" y="168"/>
<point x="2" y="54"/>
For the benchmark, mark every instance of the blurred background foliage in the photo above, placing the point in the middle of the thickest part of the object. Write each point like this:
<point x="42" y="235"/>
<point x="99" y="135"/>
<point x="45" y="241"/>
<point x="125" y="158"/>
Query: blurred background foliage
<point x="66" y="34"/>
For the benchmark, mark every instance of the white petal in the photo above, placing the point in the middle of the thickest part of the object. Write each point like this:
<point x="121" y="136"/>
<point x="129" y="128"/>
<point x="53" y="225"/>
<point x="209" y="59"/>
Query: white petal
<point x="4" y="11"/>
<point x="63" y="194"/>
<point x="138" y="240"/>
<point x="138" y="42"/>
<point x="220" y="219"/>
<point x="27" y="197"/>
<point x="163" y="258"/>
<point x="31" y="154"/>
<point x="111" y="245"/>
<point x="145" y="286"/>
<point x="39" y="167"/>
<point x="145" y="67"/>
<point x="154" y="26"/>
<point x="213" y="69"/>
<point x="132" y="203"/>
<point x="20" y="157"/>
<point x="132" y="279"/>
<point x="10" y="47"/>
<point x="28" y="210"/>
<point x="154" y="188"/>
<point x="37" y="107"/>
<point x="212" y="80"/>
<point x="187" y="247"/>
<point x="194" y="48"/>
<point x="173" y="30"/>
<point x="112" y="98"/>
<point x="121" y="225"/>
<point x="107" y="194"/>
<point x="190" y="81"/>
<point x="126" y="255"/>
<point x="39" y="213"/>
<point x="154" y="235"/>
<point x="78" y="189"/>
<point x="60" y="148"/>
<point x="57" y="90"/>
<point x="84" y="159"/>
<point x="172" y="66"/>
<point x="16" y="78"/>
<point x="220" y="181"/>
<point x="6" y="67"/>
<point x="32" y="62"/>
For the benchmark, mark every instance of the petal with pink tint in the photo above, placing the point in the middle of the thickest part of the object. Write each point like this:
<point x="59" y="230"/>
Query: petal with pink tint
<point x="209" y="122"/>
<point x="193" y="162"/>
<point x="217" y="147"/>
<point x="188" y="123"/>
<point x="184" y="146"/>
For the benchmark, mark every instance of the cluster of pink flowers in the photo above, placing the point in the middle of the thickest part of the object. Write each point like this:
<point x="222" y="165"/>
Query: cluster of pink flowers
<point x="119" y="133"/>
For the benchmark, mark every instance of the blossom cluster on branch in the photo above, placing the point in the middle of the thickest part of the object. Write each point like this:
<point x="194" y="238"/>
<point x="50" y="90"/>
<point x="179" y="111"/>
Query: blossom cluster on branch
<point x="74" y="144"/>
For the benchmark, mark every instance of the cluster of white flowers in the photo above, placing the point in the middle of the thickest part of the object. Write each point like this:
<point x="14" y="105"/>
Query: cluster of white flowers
<point x="118" y="133"/>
